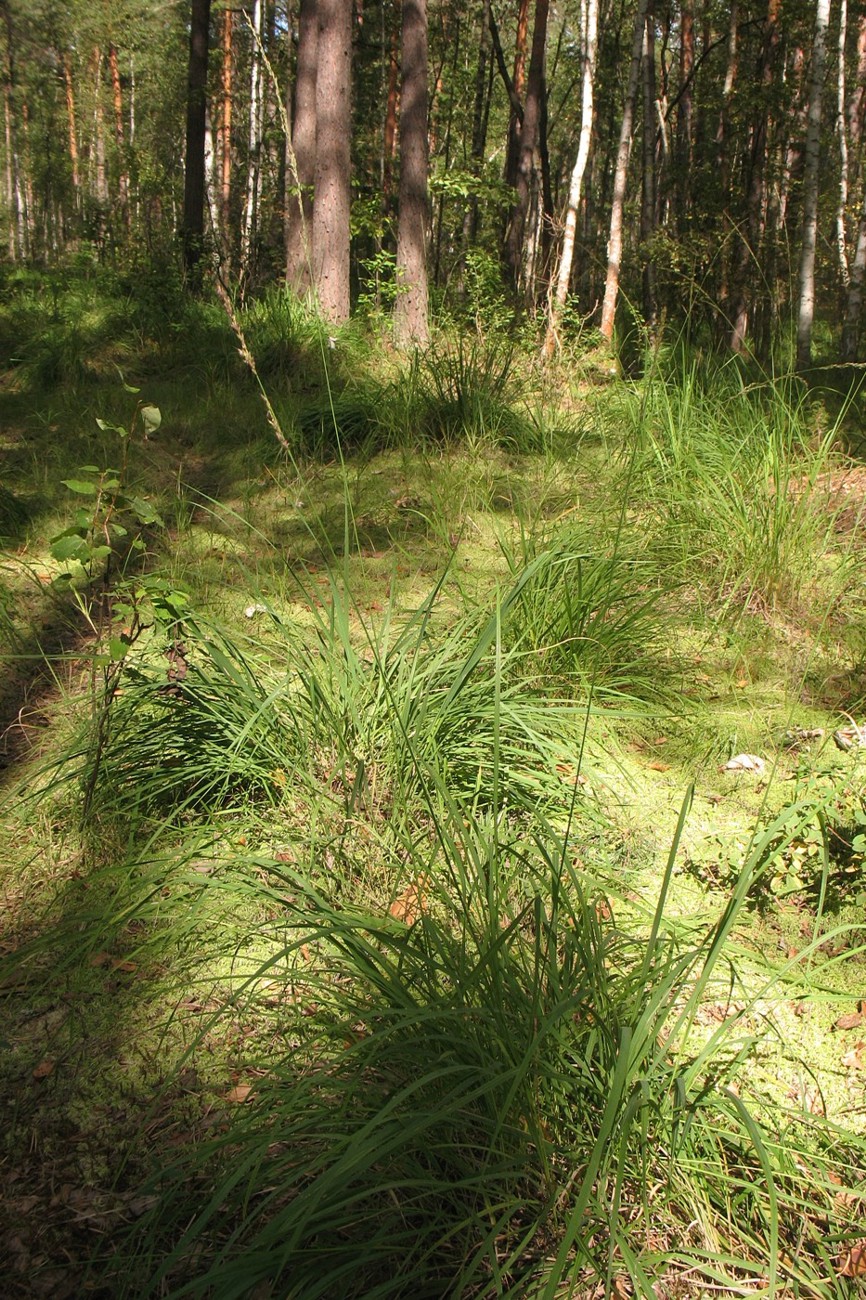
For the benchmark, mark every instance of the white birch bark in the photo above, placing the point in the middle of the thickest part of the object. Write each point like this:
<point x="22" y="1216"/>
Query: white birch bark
<point x="854" y="301"/>
<point x="811" y="164"/>
<point x="255" y="133"/>
<point x="589" y="32"/>
<point x="614" y="243"/>
<point x="842" y="136"/>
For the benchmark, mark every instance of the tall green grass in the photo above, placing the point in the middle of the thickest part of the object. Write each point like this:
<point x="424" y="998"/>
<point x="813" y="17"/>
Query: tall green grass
<point x="731" y="473"/>
<point x="508" y="1096"/>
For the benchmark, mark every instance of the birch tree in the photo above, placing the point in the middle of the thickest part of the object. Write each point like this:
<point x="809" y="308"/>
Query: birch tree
<point x="614" y="243"/>
<point x="589" y="35"/>
<point x="251" y="204"/>
<point x="811" y="166"/>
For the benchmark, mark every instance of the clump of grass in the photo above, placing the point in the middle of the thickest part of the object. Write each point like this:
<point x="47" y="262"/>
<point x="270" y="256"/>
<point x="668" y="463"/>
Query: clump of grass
<point x="466" y="393"/>
<point x="192" y="728"/>
<point x="731" y="472"/>
<point x="592" y="610"/>
<point x="504" y="1094"/>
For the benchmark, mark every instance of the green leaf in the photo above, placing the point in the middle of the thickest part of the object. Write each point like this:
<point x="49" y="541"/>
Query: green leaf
<point x="69" y="546"/>
<point x="111" y="428"/>
<point x="80" y="485"/>
<point x="151" y="419"/>
<point x="100" y="552"/>
<point x="117" y="649"/>
<point x="143" y="511"/>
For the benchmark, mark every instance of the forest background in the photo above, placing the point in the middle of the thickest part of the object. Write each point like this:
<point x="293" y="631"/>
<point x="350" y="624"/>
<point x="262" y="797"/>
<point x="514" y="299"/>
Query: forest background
<point x="510" y="131"/>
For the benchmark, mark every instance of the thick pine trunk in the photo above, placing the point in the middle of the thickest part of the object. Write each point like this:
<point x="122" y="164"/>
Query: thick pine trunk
<point x="73" y="133"/>
<point x="331" y="209"/>
<point x="518" y="83"/>
<point x="410" y="309"/>
<point x="302" y="159"/>
<point x="14" y="195"/>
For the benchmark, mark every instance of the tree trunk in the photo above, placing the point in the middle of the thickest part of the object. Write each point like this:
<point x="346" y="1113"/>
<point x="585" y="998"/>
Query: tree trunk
<point x="117" y="101"/>
<point x="480" y="114"/>
<point x="529" y="140"/>
<point x="14" y="195"/>
<point x="331" y="209"/>
<point x="410" y="309"/>
<point x="854" y="300"/>
<point x="749" y="243"/>
<point x="196" y="123"/>
<point x="614" y="243"/>
<point x="73" y="135"/>
<point x="811" y="165"/>
<point x="251" y="206"/>
<point x="589" y="31"/>
<point x="518" y="83"/>
<point x="302" y="160"/>
<point x="224" y="130"/>
<point x="842" y="138"/>
<point x="648" y="196"/>
<point x="389" y="132"/>
<point x="684" y="112"/>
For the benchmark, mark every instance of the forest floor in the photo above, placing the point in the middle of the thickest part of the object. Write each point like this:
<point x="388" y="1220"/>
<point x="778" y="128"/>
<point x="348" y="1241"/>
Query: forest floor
<point x="398" y="680"/>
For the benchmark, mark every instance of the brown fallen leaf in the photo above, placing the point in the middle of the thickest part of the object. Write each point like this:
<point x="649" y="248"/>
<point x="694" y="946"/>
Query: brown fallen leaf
<point x="44" y="1068"/>
<point x="124" y="965"/>
<point x="658" y="766"/>
<point x="851" y="1020"/>
<point x="855" y="1058"/>
<point x="852" y="1262"/>
<point x="410" y="905"/>
<point x="239" y="1093"/>
<point x="99" y="959"/>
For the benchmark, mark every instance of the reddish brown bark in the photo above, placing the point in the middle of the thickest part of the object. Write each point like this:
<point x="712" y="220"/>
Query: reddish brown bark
<point x="518" y="82"/>
<point x="117" y="101"/>
<point x="70" y="113"/>
<point x="530" y="137"/>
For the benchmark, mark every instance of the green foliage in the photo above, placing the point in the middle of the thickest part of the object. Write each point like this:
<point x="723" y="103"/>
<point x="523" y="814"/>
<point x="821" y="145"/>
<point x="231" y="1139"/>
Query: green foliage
<point x="468" y="392"/>
<point x="593" y="614"/>
<point x="506" y="1095"/>
<point x="822" y="865"/>
<point x="97" y="532"/>
<point x="732" y="475"/>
